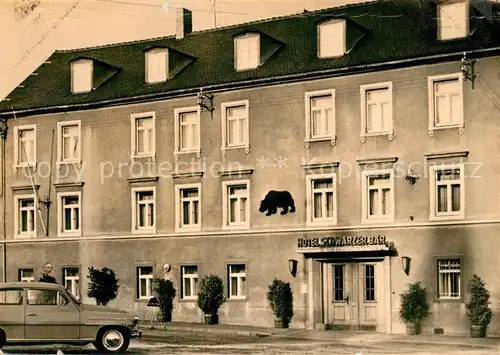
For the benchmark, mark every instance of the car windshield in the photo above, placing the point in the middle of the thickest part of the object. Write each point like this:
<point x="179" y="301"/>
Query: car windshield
<point x="76" y="300"/>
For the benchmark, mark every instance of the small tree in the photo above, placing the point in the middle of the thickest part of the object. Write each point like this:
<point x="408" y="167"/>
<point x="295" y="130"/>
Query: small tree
<point x="280" y="299"/>
<point x="48" y="278"/>
<point x="103" y="285"/>
<point x="166" y="293"/>
<point x="478" y="308"/>
<point x="414" y="305"/>
<point x="211" y="297"/>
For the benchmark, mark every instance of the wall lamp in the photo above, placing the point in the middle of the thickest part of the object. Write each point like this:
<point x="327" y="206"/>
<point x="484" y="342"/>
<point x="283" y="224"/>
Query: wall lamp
<point x="406" y="263"/>
<point x="468" y="69"/>
<point x="206" y="102"/>
<point x="411" y="177"/>
<point x="292" y="267"/>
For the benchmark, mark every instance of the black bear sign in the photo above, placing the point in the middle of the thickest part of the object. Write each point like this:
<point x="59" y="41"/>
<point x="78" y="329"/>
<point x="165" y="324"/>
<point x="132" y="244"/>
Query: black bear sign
<point x="275" y="199"/>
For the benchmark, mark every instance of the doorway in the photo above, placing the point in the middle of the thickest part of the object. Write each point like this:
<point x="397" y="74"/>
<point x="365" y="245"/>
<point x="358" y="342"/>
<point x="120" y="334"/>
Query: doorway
<point x="353" y="295"/>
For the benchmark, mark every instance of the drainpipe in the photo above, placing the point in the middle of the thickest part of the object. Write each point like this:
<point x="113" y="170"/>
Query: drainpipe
<point x="3" y="137"/>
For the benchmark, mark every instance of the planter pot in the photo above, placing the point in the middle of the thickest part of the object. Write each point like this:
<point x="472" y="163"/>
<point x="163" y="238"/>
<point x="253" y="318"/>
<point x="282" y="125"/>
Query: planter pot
<point x="281" y="323"/>
<point x="412" y="328"/>
<point x="477" y="331"/>
<point x="211" y="318"/>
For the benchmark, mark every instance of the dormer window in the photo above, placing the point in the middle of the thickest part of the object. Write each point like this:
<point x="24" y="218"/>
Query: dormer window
<point x="157" y="65"/>
<point x="81" y="76"/>
<point x="332" y="38"/>
<point x="453" y="20"/>
<point x="247" y="51"/>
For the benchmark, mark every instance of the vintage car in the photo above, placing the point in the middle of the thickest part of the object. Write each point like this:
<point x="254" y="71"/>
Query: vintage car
<point x="45" y="313"/>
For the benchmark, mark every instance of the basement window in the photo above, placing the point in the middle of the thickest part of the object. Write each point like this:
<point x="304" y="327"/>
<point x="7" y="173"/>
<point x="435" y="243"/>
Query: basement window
<point x="81" y="76"/>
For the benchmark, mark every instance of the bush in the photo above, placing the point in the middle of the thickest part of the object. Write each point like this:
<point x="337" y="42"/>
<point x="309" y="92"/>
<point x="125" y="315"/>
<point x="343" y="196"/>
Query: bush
<point x="48" y="278"/>
<point x="211" y="295"/>
<point x="280" y="299"/>
<point x="478" y="307"/>
<point x="414" y="306"/>
<point x="166" y="293"/>
<point x="103" y="285"/>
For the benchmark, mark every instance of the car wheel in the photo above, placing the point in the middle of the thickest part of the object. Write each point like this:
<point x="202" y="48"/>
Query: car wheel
<point x="112" y="340"/>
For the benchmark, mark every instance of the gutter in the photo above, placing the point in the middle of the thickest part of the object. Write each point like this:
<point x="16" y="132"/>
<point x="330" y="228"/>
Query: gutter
<point x="359" y="69"/>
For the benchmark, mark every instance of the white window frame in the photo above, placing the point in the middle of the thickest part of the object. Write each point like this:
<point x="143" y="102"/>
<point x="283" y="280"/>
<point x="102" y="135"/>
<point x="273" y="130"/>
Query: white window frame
<point x="366" y="218"/>
<point x="441" y="22"/>
<point x="159" y="79"/>
<point x="307" y="97"/>
<point x="191" y="278"/>
<point x="246" y="137"/>
<point x="177" y="114"/>
<point x="460" y="124"/>
<point x="83" y="71"/>
<point x="225" y="205"/>
<point x="17" y="233"/>
<point x="179" y="210"/>
<point x="311" y="221"/>
<point x="23" y="278"/>
<point x="135" y="228"/>
<point x="363" y="91"/>
<point x="17" y="146"/>
<point x="343" y="45"/>
<point x="243" y="38"/>
<point x="60" y="214"/>
<point x="149" y="282"/>
<point x="133" y="122"/>
<point x="60" y="142"/>
<point x="238" y="276"/>
<point x="72" y="279"/>
<point x="449" y="271"/>
<point x="433" y="170"/>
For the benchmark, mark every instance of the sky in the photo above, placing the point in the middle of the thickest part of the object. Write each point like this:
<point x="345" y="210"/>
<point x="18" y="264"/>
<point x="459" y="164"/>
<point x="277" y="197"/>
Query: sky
<point x="25" y="42"/>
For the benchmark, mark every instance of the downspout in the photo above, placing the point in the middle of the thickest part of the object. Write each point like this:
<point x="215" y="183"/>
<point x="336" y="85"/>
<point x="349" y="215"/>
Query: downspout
<point x="3" y="137"/>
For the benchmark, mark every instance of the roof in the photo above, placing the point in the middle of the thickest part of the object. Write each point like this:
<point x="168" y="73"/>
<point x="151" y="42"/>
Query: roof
<point x="387" y="30"/>
<point x="44" y="285"/>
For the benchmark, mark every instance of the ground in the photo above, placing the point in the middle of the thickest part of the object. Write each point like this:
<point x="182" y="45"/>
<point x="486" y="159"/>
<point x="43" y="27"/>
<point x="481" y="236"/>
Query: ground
<point x="204" y="343"/>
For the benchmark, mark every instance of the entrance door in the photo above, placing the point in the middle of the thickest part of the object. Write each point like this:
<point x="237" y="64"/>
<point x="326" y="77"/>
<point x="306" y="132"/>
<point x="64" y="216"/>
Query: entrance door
<point x="352" y="295"/>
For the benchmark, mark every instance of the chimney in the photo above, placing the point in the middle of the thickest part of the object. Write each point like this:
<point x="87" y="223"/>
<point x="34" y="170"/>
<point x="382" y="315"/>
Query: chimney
<point x="184" y="23"/>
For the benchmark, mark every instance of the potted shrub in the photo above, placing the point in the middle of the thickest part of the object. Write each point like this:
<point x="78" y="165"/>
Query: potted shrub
<point x="211" y="297"/>
<point x="478" y="308"/>
<point x="414" y="307"/>
<point x="166" y="293"/>
<point x="280" y="299"/>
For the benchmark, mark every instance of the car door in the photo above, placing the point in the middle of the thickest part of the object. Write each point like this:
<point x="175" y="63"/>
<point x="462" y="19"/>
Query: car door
<point x="12" y="312"/>
<point x="51" y="315"/>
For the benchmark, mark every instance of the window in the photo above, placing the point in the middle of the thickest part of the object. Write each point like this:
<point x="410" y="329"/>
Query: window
<point x="237" y="281"/>
<point x="156" y="66"/>
<point x="447" y="191"/>
<point x="453" y="20"/>
<point x="320" y="115"/>
<point x="11" y="297"/>
<point x="187" y="130"/>
<point x="144" y="210"/>
<point x="338" y="283"/>
<point x="235" y="125"/>
<point x="449" y="279"/>
<point x="46" y="297"/>
<point x="144" y="282"/>
<point x="71" y="278"/>
<point x="236" y="199"/>
<point x="25" y="146"/>
<point x="25" y="221"/>
<point x="247" y="51"/>
<point x="376" y="109"/>
<point x="446" y="102"/>
<point x="321" y="199"/>
<point x="70" y="213"/>
<point x="81" y="76"/>
<point x="69" y="146"/>
<point x="369" y="273"/>
<point x="143" y="135"/>
<point x="26" y="275"/>
<point x="188" y="206"/>
<point x="378" y="196"/>
<point x="189" y="276"/>
<point x="332" y="39"/>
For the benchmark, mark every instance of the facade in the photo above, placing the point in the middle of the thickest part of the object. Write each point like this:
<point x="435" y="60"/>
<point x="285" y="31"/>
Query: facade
<point x="372" y="124"/>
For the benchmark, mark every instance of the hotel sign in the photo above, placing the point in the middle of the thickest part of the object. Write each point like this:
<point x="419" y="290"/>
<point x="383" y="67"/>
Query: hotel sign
<point x="341" y="241"/>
